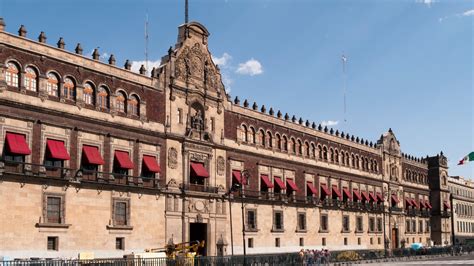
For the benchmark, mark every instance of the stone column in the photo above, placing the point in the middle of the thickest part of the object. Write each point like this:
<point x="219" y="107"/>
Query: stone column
<point x="3" y="82"/>
<point x="79" y="96"/>
<point x="42" y="87"/>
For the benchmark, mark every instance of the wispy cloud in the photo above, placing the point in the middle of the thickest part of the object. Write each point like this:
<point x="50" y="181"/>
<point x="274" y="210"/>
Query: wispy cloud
<point x="222" y="61"/>
<point x="252" y="67"/>
<point x="329" y="123"/>
<point x="428" y="3"/>
<point x="151" y="64"/>
<point x="466" y="13"/>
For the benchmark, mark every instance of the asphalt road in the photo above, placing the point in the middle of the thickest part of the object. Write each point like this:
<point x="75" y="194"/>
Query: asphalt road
<point x="454" y="260"/>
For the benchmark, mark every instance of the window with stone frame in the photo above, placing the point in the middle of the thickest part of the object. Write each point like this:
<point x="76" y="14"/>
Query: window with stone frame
<point x="324" y="226"/>
<point x="54" y="208"/>
<point x="69" y="89"/>
<point x="103" y="98"/>
<point x="251" y="221"/>
<point x="427" y="225"/>
<point x="120" y="102"/>
<point x="420" y="226"/>
<point x="301" y="221"/>
<point x="359" y="224"/>
<point x="278" y="221"/>
<point x="371" y="224"/>
<point x="121" y="212"/>
<point x="413" y="226"/>
<point x="379" y="225"/>
<point x="133" y="106"/>
<point x="407" y="225"/>
<point x="52" y="86"/>
<point x="88" y="94"/>
<point x="345" y="224"/>
<point x="31" y="79"/>
<point x="12" y="74"/>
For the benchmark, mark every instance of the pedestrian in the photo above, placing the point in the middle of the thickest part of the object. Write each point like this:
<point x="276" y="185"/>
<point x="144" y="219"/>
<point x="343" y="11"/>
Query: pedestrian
<point x="310" y="257"/>
<point x="301" y="255"/>
<point x="317" y="257"/>
<point x="326" y="257"/>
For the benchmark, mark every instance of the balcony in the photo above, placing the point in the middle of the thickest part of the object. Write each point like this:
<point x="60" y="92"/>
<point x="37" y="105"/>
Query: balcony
<point x="445" y="214"/>
<point x="199" y="188"/>
<point x="395" y="209"/>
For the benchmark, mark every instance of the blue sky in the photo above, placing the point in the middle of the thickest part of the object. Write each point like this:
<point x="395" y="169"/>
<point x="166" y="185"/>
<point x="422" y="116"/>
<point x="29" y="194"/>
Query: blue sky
<point x="410" y="63"/>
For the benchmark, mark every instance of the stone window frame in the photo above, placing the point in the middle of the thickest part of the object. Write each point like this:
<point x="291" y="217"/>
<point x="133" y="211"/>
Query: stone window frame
<point x="146" y="152"/>
<point x="407" y="226"/>
<point x="44" y="218"/>
<point x="128" y="148"/>
<point x="55" y="242"/>
<point x="112" y="224"/>
<point x="17" y="130"/>
<point x="247" y="228"/>
<point x="87" y="142"/>
<point x="66" y="139"/>
<point x="359" y="229"/>
<point x="379" y="222"/>
<point x="250" y="242"/>
<point x="373" y="225"/>
<point x="180" y="115"/>
<point x="326" y="217"/>
<point x="348" y="229"/>
<point x="298" y="225"/>
<point x="413" y="226"/>
<point x="274" y="226"/>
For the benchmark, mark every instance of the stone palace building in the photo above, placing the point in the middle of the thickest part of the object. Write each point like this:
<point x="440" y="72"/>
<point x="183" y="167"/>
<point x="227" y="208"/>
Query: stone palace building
<point x="96" y="158"/>
<point x="462" y="191"/>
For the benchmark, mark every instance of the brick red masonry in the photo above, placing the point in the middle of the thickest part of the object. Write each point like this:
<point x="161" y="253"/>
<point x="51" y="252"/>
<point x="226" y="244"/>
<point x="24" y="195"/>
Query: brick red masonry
<point x="155" y="100"/>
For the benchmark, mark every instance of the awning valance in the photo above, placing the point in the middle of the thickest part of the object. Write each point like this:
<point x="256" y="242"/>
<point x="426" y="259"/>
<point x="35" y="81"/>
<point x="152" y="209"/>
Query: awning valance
<point x="123" y="160"/>
<point x="372" y="196"/>
<point x="279" y="182"/>
<point x="91" y="155"/>
<point x="347" y="193"/>
<point x="365" y="196"/>
<point x="446" y="204"/>
<point x="336" y="191"/>
<point x="292" y="184"/>
<point x="423" y="204"/>
<point x="151" y="164"/>
<point x="57" y="150"/>
<point x="199" y="170"/>
<point x="379" y="196"/>
<point x="324" y="190"/>
<point x="356" y="194"/>
<point x="266" y="181"/>
<point x="428" y="204"/>
<point x="395" y="199"/>
<point x="415" y="203"/>
<point x="16" y="144"/>
<point x="408" y="202"/>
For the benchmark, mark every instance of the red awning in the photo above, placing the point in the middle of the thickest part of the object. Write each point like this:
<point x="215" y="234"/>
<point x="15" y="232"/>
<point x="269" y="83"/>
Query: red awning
<point x="372" y="196"/>
<point x="446" y="204"/>
<point x="292" y="184"/>
<point x="57" y="150"/>
<point x="198" y="169"/>
<point x="123" y="159"/>
<point x="357" y="194"/>
<point x="415" y="203"/>
<point x="312" y="188"/>
<point x="408" y="202"/>
<point x="91" y="155"/>
<point x="365" y="196"/>
<point x="151" y="164"/>
<point x="395" y="198"/>
<point x="336" y="190"/>
<point x="16" y="144"/>
<point x="325" y="190"/>
<point x="422" y="203"/>
<point x="266" y="180"/>
<point x="379" y="196"/>
<point x="279" y="182"/>
<point x="347" y="193"/>
<point x="428" y="204"/>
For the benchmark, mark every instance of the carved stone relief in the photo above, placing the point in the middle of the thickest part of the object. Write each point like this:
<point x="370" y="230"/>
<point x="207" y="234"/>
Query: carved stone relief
<point x="172" y="158"/>
<point x="220" y="165"/>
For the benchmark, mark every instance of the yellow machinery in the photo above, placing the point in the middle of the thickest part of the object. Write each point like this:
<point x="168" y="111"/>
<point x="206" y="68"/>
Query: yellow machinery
<point x="183" y="253"/>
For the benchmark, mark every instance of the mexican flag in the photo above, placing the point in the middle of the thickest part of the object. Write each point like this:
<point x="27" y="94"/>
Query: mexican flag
<point x="467" y="158"/>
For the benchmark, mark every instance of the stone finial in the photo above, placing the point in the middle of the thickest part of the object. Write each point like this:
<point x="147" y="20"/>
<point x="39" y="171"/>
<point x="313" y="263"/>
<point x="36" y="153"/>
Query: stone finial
<point x="22" y="31"/>
<point x="2" y="24"/>
<point x="331" y="131"/>
<point x="357" y="139"/>
<point x="287" y="116"/>
<point x="254" y="106"/>
<point x="154" y="72"/>
<point x="78" y="49"/>
<point x="352" y="138"/>
<point x="112" y="60"/>
<point x="337" y="132"/>
<point x="237" y="100"/>
<point x="307" y="123"/>
<point x="293" y="119"/>
<point x="366" y="143"/>
<point x="371" y="144"/>
<point x="246" y="103"/>
<point x="300" y="121"/>
<point x="142" y="70"/>
<point x="42" y="37"/>
<point x="325" y="129"/>
<point x="61" y="44"/>
<point x="95" y="54"/>
<point x="342" y="134"/>
<point x="271" y="112"/>
<point x="263" y="109"/>
<point x="320" y="127"/>
<point x="127" y="65"/>
<point x="348" y="136"/>
<point x="313" y="125"/>
<point x="279" y="114"/>
<point x="170" y="50"/>
<point x="390" y="130"/>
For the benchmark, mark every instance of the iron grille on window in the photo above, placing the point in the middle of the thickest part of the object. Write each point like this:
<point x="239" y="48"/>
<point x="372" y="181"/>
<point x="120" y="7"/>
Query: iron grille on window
<point x="360" y="226"/>
<point x="278" y="220"/>
<point x="301" y="221"/>
<point x="324" y="222"/>
<point x="371" y="224"/>
<point x="345" y="223"/>
<point x="120" y="213"/>
<point x="53" y="214"/>
<point x="379" y="224"/>
<point x="251" y="220"/>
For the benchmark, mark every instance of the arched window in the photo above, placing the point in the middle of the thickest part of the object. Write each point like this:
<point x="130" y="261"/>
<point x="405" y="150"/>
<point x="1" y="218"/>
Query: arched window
<point x="88" y="94"/>
<point x="325" y="153"/>
<point x="366" y="161"/>
<point x="253" y="137"/>
<point x="12" y="74"/>
<point x="269" y="139"/>
<point x="292" y="145"/>
<point x="353" y="161"/>
<point x="376" y="166"/>
<point x="300" y="147"/>
<point x="52" y="85"/>
<point x="285" y="143"/>
<point x="336" y="156"/>
<point x="278" y="141"/>
<point x="331" y="154"/>
<point x="320" y="152"/>
<point x="120" y="102"/>
<point x="31" y="79"/>
<point x="343" y="158"/>
<point x="133" y="105"/>
<point x="313" y="150"/>
<point x="357" y="165"/>
<point x="245" y="134"/>
<point x="307" y="151"/>
<point x="103" y="98"/>
<point x="261" y="136"/>
<point x="69" y="89"/>
<point x="363" y="162"/>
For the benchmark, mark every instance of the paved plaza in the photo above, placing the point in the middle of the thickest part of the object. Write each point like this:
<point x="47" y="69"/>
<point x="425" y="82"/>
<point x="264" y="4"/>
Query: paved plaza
<point x="457" y="260"/>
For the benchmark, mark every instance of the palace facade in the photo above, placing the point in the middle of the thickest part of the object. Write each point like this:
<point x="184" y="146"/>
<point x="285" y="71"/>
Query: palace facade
<point x="462" y="191"/>
<point x="96" y="158"/>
